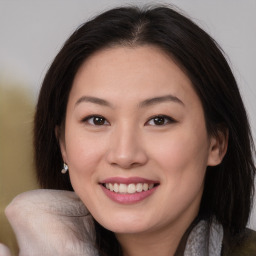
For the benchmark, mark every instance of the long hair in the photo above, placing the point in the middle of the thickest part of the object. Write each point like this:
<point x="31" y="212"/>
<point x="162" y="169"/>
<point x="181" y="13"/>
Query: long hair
<point x="228" y="188"/>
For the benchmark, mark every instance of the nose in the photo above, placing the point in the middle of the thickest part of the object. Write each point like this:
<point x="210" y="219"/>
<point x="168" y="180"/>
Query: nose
<point x="126" y="148"/>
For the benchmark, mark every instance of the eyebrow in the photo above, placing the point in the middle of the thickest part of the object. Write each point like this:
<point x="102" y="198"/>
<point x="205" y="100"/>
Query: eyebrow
<point x="94" y="100"/>
<point x="145" y="103"/>
<point x="161" y="99"/>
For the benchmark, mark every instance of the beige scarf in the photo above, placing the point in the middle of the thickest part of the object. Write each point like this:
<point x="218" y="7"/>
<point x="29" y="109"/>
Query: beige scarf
<point x="51" y="222"/>
<point x="205" y="240"/>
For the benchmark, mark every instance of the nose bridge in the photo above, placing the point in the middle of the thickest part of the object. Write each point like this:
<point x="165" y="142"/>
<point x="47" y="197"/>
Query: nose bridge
<point x="126" y="148"/>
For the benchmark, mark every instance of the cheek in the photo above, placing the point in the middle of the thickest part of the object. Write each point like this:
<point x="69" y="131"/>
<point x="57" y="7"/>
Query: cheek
<point x="183" y="161"/>
<point x="84" y="156"/>
<point x="84" y="153"/>
<point x="179" y="150"/>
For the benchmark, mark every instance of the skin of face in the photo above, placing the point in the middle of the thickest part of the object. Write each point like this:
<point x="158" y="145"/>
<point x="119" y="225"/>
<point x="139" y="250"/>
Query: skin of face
<point x="127" y="88"/>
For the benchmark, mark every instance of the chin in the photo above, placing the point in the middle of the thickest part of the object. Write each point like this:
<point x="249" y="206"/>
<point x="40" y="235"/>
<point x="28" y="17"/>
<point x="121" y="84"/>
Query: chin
<point x="125" y="226"/>
<point x="126" y="229"/>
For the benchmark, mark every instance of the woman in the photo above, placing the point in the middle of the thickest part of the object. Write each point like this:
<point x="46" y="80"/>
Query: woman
<point x="141" y="116"/>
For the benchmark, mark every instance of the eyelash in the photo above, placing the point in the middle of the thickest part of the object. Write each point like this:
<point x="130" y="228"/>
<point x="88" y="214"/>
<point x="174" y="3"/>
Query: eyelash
<point x="86" y="120"/>
<point x="167" y="120"/>
<point x="104" y="121"/>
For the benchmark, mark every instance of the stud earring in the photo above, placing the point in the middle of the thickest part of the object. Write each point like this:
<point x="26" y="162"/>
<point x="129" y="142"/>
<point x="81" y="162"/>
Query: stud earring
<point x="65" y="168"/>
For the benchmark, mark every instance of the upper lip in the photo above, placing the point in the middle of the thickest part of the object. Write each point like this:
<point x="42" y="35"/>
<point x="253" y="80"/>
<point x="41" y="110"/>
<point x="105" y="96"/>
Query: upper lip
<point x="130" y="180"/>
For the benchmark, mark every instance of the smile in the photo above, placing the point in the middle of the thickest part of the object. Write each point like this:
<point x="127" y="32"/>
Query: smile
<point x="128" y="188"/>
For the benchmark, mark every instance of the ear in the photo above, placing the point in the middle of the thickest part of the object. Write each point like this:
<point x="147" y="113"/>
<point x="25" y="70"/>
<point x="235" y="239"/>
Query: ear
<point x="218" y="147"/>
<point x="59" y="133"/>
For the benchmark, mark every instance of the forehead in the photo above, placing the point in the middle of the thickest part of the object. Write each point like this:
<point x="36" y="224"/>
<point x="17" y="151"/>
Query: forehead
<point x="138" y="72"/>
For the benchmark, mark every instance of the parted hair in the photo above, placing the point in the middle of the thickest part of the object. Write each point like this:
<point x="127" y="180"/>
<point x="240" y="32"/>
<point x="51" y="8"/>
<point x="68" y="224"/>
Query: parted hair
<point x="228" y="187"/>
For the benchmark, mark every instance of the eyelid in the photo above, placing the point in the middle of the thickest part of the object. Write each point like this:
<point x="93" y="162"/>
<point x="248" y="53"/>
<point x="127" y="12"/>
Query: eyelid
<point x="85" y="119"/>
<point x="170" y="119"/>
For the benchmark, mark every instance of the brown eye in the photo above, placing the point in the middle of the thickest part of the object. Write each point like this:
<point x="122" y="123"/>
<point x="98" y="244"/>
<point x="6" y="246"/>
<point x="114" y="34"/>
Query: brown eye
<point x="96" y="120"/>
<point x="160" y="120"/>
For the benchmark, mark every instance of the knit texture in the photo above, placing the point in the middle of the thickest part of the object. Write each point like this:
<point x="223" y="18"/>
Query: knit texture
<point x="205" y="239"/>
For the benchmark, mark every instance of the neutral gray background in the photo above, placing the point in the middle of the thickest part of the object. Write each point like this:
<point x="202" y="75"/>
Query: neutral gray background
<point x="32" y="31"/>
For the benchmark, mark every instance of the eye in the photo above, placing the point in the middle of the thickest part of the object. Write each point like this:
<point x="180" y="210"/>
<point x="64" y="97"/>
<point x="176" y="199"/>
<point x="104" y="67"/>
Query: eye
<point x="160" y="120"/>
<point x="96" y="120"/>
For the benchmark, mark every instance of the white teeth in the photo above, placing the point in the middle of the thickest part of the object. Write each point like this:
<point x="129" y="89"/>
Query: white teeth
<point x="116" y="187"/>
<point x="139" y="187"/>
<point x="150" y="186"/>
<point x="122" y="188"/>
<point x="130" y="188"/>
<point x="145" y="186"/>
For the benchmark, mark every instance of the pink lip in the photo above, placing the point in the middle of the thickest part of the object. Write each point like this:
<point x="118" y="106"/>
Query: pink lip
<point x="128" y="198"/>
<point x="130" y="180"/>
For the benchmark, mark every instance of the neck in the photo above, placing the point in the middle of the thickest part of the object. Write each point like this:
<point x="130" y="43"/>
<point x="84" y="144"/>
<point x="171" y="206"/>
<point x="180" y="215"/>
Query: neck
<point x="163" y="242"/>
<point x="135" y="246"/>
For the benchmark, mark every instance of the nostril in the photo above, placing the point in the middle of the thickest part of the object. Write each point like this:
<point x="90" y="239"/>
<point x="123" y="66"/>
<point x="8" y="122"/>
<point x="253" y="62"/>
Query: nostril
<point x="125" y="149"/>
<point x="126" y="160"/>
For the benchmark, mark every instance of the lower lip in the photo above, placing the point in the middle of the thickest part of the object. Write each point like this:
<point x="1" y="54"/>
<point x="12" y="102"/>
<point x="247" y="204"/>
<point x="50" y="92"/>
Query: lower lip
<point x="128" y="198"/>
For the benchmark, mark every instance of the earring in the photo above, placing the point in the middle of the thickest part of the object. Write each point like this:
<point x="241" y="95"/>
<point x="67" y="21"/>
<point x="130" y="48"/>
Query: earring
<point x="65" y="168"/>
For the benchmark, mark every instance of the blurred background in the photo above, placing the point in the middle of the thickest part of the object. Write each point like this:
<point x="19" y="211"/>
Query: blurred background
<point x="32" y="32"/>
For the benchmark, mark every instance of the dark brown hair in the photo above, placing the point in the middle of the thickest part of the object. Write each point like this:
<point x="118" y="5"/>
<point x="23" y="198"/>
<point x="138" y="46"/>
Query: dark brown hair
<point x="229" y="186"/>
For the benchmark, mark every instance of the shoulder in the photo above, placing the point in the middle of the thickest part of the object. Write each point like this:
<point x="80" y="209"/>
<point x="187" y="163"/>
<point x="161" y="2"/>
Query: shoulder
<point x="243" y="245"/>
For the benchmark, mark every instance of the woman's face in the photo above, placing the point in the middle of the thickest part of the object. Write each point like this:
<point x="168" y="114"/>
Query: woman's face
<point x="135" y="141"/>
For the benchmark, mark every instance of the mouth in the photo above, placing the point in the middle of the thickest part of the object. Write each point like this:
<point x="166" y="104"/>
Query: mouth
<point x="130" y="188"/>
